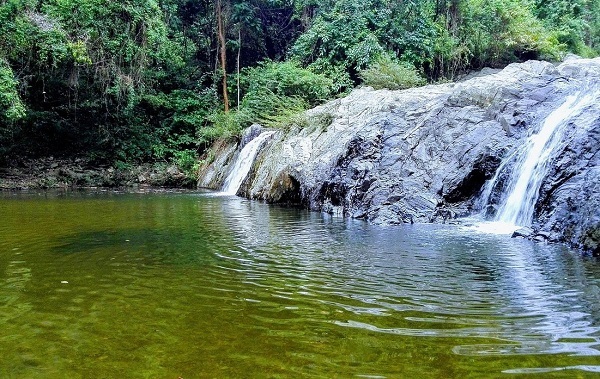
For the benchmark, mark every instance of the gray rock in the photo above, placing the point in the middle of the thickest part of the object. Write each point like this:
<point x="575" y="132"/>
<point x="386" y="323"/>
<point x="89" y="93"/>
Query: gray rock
<point x="424" y="154"/>
<point x="215" y="165"/>
<point x="543" y="236"/>
<point x="250" y="133"/>
<point x="173" y="171"/>
<point x="523" y="232"/>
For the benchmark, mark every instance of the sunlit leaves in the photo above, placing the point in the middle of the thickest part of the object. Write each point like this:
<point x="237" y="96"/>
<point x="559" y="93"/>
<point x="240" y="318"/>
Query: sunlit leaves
<point x="11" y="106"/>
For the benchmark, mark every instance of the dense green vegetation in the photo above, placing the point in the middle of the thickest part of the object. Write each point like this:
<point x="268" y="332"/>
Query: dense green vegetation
<point x="150" y="80"/>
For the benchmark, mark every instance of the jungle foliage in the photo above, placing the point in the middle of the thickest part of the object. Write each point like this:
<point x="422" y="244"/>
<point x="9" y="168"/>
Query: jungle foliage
<point x="146" y="80"/>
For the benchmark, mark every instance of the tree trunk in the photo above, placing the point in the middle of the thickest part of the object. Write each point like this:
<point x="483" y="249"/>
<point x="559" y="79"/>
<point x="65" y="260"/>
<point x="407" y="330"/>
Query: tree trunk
<point x="238" y="65"/>
<point x="223" y="52"/>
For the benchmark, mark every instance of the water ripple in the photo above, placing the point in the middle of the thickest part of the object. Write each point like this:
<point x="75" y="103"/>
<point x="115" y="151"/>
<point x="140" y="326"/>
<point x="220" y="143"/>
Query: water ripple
<point x="251" y="289"/>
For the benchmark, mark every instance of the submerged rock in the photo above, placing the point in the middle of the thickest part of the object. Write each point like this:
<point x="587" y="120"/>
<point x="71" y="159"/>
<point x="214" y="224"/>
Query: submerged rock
<point x="424" y="154"/>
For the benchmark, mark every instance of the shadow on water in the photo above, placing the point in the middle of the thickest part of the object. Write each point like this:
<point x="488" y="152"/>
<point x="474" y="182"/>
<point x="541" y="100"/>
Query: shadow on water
<point x="154" y="246"/>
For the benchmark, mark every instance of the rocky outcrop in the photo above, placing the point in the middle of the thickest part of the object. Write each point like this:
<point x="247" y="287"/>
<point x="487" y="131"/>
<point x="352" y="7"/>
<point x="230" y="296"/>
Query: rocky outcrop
<point x="214" y="167"/>
<point x="569" y="204"/>
<point x="424" y="154"/>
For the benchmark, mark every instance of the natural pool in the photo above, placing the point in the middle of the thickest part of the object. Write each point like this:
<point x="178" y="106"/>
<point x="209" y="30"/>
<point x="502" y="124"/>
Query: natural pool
<point x="192" y="285"/>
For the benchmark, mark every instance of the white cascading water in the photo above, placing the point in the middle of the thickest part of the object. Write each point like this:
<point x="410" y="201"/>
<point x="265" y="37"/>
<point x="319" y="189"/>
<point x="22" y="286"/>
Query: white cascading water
<point x="243" y="164"/>
<point x="532" y="164"/>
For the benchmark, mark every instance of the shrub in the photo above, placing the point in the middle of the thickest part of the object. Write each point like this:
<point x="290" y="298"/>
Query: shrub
<point x="392" y="75"/>
<point x="274" y="94"/>
<point x="285" y="79"/>
<point x="221" y="126"/>
<point x="187" y="161"/>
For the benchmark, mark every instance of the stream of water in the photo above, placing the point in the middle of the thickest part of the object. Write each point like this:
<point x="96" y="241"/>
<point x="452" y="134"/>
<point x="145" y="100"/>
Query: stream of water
<point x="243" y="163"/>
<point x="168" y="285"/>
<point x="534" y="159"/>
<point x="529" y="165"/>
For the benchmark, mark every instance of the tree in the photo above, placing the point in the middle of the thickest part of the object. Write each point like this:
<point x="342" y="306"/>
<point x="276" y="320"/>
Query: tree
<point x="576" y="23"/>
<point x="149" y="79"/>
<point x="222" y="52"/>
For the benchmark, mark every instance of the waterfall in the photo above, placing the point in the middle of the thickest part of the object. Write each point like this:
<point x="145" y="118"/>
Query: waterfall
<point x="243" y="164"/>
<point x="531" y="164"/>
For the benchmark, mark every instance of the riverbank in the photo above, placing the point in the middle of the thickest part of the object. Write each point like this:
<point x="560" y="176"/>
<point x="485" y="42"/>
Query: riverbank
<point x="69" y="173"/>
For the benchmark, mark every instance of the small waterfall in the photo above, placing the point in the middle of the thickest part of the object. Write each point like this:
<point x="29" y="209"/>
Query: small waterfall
<point x="243" y="163"/>
<point x="531" y="164"/>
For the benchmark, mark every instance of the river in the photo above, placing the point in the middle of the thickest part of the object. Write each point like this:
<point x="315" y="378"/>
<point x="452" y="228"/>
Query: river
<point x="101" y="284"/>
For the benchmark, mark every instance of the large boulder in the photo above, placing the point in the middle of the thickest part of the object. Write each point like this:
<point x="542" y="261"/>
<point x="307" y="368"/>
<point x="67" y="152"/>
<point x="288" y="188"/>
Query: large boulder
<point x="400" y="156"/>
<point x="424" y="154"/>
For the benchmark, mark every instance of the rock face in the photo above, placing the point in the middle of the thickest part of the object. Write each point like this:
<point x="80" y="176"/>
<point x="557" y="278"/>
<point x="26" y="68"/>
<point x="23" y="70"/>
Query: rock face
<point x="424" y="154"/>
<point x="569" y="204"/>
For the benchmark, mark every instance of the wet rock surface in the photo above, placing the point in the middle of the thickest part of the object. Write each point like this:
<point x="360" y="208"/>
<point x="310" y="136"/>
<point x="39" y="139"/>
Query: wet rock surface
<point x="424" y="154"/>
<point x="523" y="232"/>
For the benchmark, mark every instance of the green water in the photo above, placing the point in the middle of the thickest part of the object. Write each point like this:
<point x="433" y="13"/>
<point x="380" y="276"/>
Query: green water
<point x="191" y="285"/>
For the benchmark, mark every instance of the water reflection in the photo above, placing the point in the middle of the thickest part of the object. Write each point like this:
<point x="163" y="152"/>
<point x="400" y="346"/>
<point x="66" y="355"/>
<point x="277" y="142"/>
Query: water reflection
<point x="432" y="280"/>
<point x="193" y="285"/>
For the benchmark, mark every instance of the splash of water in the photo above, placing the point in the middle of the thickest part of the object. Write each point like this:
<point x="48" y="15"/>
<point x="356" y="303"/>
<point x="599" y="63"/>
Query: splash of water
<point x="243" y="163"/>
